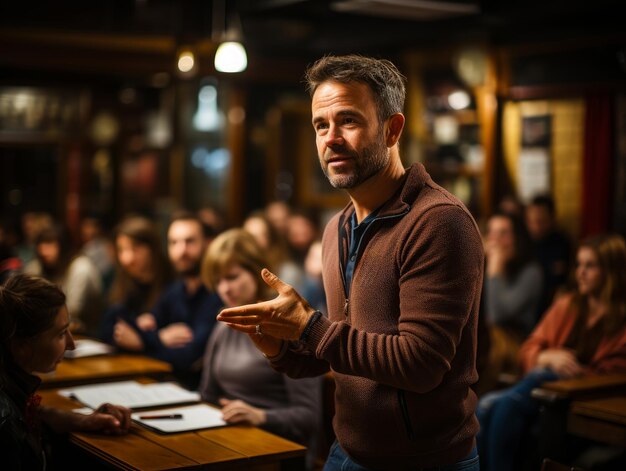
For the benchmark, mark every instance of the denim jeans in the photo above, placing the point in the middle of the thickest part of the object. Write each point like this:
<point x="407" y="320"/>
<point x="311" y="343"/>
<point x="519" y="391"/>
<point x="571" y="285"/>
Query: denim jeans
<point x="505" y="417"/>
<point x="338" y="460"/>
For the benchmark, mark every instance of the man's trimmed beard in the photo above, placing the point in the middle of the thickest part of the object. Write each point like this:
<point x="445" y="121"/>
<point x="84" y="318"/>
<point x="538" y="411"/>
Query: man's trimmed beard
<point x="191" y="271"/>
<point x="371" y="160"/>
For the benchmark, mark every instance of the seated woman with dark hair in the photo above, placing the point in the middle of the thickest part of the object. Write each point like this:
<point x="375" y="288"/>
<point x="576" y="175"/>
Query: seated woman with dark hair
<point x="34" y="335"/>
<point x="583" y="333"/>
<point x="511" y="294"/>
<point x="236" y="375"/>
<point x="141" y="273"/>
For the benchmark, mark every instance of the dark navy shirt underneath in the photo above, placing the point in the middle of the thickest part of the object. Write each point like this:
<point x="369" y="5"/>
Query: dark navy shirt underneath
<point x="357" y="231"/>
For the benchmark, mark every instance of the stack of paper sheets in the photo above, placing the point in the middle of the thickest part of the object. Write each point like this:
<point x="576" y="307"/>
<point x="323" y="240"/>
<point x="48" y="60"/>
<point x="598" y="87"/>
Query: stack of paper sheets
<point x="131" y="394"/>
<point x="136" y="395"/>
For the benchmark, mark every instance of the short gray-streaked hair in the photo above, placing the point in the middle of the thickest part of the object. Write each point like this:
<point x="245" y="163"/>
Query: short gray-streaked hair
<point x="380" y="75"/>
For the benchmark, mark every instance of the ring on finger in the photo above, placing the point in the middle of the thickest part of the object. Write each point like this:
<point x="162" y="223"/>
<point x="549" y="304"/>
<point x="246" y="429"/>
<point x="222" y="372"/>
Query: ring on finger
<point x="258" y="329"/>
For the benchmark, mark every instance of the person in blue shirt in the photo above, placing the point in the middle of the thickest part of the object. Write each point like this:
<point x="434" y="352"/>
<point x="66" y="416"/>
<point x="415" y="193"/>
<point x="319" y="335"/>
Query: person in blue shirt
<point x="177" y="328"/>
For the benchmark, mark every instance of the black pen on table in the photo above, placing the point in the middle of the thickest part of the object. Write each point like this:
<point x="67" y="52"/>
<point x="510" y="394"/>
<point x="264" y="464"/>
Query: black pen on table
<point x="161" y="416"/>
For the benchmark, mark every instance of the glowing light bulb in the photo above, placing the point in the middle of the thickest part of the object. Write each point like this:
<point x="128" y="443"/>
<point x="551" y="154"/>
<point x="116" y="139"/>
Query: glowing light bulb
<point x="459" y="100"/>
<point x="231" y="57"/>
<point x="186" y="61"/>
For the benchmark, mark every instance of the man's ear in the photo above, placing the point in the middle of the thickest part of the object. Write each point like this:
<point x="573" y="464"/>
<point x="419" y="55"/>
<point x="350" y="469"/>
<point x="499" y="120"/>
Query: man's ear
<point x="395" y="125"/>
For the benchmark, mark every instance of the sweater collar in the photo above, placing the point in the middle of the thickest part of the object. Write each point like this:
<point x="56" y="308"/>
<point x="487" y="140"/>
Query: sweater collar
<point x="415" y="178"/>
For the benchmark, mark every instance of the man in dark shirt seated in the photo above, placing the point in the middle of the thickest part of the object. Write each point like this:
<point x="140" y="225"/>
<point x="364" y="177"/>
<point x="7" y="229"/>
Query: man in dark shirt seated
<point x="177" y="328"/>
<point x="552" y="247"/>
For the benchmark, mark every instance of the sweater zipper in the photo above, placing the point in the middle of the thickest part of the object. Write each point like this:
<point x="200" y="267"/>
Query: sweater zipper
<point x="405" y="414"/>
<point x="346" y="303"/>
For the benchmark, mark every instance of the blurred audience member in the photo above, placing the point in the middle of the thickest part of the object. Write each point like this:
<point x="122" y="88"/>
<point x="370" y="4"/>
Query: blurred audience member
<point x="177" y="328"/>
<point x="236" y="375"/>
<point x="302" y="230"/>
<point x="277" y="213"/>
<point x="512" y="292"/>
<point x="213" y="219"/>
<point x="510" y="204"/>
<point x="33" y="222"/>
<point x="313" y="290"/>
<point x="10" y="264"/>
<point x="97" y="246"/>
<point x="552" y="247"/>
<point x="74" y="273"/>
<point x="583" y="333"/>
<point x="275" y="248"/>
<point x="141" y="273"/>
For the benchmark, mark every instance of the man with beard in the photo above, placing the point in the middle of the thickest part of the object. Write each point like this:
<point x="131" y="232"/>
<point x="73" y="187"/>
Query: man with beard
<point x="179" y="325"/>
<point x="402" y="270"/>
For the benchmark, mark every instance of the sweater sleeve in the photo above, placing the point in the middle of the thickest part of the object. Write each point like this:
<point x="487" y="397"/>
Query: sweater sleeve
<point x="545" y="334"/>
<point x="610" y="358"/>
<point x="440" y="278"/>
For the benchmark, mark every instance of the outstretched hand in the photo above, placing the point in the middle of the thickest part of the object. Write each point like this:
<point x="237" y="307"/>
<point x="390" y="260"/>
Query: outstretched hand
<point x="283" y="317"/>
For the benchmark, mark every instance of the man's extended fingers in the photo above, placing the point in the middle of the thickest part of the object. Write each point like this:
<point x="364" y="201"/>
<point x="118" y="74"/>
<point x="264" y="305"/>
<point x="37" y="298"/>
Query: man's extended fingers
<point x="253" y="313"/>
<point x="248" y="329"/>
<point x="274" y="282"/>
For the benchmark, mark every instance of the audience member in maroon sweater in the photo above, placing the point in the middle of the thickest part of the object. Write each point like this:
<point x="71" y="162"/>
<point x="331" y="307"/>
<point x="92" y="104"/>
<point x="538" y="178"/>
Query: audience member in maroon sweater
<point x="403" y="268"/>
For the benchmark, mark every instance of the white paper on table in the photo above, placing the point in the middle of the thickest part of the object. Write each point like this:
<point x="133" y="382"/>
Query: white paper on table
<point x="88" y="348"/>
<point x="131" y="394"/>
<point x="195" y="417"/>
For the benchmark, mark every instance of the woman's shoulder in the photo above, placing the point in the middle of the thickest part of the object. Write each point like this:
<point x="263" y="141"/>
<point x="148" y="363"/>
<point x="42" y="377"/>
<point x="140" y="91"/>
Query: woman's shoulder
<point x="82" y="265"/>
<point x="563" y="300"/>
<point x="561" y="307"/>
<point x="8" y="410"/>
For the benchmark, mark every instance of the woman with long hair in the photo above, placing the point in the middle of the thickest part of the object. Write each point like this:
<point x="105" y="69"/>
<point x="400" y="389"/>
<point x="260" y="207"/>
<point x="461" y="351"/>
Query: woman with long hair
<point x="236" y="375"/>
<point x="141" y="274"/>
<point x="583" y="333"/>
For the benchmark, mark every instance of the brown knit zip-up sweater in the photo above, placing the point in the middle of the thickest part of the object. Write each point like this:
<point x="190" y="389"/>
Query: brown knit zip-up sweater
<point x="403" y="346"/>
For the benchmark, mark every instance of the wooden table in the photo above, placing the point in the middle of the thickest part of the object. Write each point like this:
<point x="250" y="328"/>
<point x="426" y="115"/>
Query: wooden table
<point x="602" y="420"/>
<point x="577" y="388"/>
<point x="103" y="368"/>
<point x="558" y="399"/>
<point x="232" y="447"/>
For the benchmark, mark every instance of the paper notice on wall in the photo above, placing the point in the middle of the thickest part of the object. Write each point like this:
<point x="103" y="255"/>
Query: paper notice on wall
<point x="534" y="172"/>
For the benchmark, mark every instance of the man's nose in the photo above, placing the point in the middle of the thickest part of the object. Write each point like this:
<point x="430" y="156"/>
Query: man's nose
<point x="334" y="136"/>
